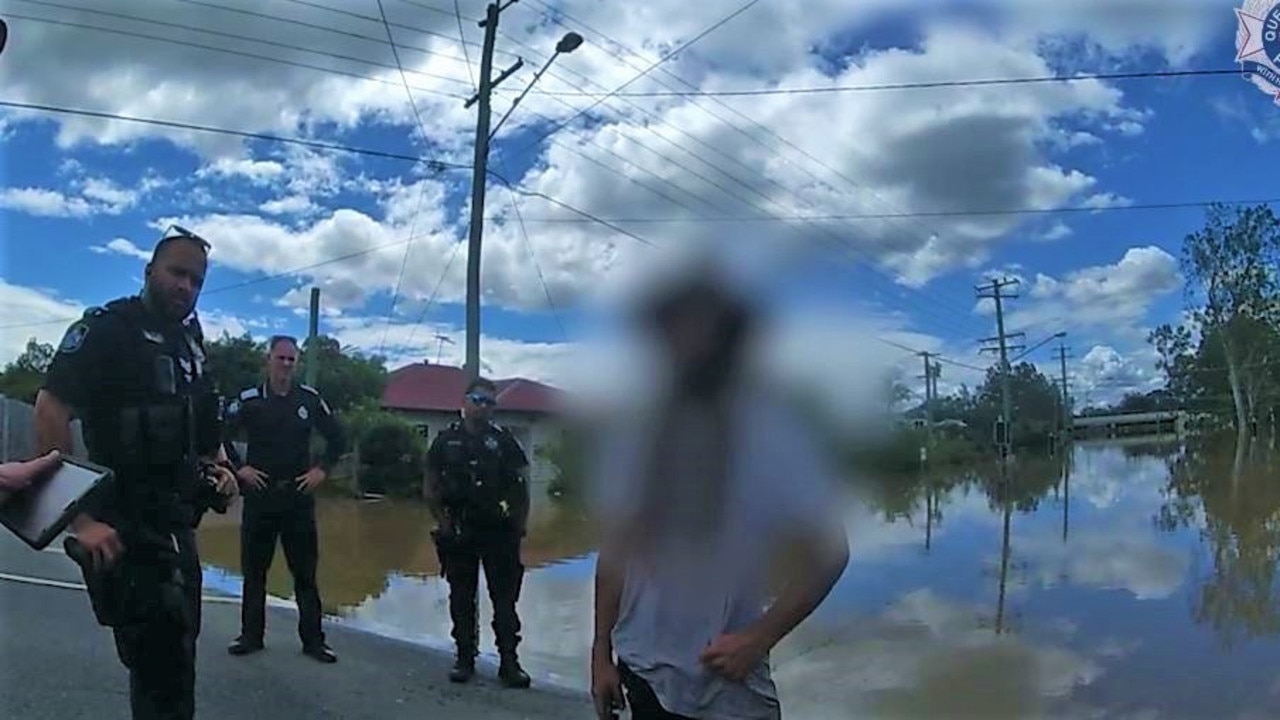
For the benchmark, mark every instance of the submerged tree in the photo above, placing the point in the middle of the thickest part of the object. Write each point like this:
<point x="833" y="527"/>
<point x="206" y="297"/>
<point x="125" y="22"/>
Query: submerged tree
<point x="1234" y="294"/>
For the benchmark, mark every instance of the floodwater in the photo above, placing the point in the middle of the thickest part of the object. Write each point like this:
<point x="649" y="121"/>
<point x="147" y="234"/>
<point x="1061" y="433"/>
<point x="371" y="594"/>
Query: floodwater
<point x="1132" y="580"/>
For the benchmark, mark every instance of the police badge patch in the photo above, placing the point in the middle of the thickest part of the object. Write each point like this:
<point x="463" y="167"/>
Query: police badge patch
<point x="1258" y="44"/>
<point x="302" y="412"/>
<point x="74" y="338"/>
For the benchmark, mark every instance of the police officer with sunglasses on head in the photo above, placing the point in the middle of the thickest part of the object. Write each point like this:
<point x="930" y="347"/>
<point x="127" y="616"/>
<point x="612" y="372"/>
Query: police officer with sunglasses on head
<point x="133" y="372"/>
<point x="478" y="491"/>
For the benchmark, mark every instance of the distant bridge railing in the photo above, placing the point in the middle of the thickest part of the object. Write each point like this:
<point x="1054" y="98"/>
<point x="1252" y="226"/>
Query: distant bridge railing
<point x="1124" y="423"/>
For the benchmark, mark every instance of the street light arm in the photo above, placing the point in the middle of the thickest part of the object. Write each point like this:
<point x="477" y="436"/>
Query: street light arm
<point x="526" y="90"/>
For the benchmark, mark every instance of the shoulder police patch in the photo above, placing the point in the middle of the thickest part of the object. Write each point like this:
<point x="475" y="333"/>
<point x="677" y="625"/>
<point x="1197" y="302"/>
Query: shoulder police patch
<point x="74" y="338"/>
<point x="249" y="393"/>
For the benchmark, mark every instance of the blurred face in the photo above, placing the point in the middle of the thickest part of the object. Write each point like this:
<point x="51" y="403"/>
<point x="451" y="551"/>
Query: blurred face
<point x="690" y="332"/>
<point x="281" y="360"/>
<point x="478" y="404"/>
<point x="174" y="279"/>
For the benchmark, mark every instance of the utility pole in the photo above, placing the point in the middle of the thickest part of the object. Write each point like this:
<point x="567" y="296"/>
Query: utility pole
<point x="1063" y="354"/>
<point x="313" y="335"/>
<point x="479" y="174"/>
<point x="995" y="289"/>
<point x="928" y="393"/>
<point x="570" y="42"/>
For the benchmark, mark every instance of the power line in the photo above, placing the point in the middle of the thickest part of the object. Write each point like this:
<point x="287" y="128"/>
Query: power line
<point x="936" y="84"/>
<point x="378" y="21"/>
<point x="462" y="40"/>
<point x="913" y="351"/>
<point x="434" y="9"/>
<point x="422" y="188"/>
<point x="316" y="144"/>
<point x="434" y="292"/>
<point x="935" y="213"/>
<point x="769" y="131"/>
<point x="684" y="46"/>
<point x="323" y="28"/>
<point x="238" y="53"/>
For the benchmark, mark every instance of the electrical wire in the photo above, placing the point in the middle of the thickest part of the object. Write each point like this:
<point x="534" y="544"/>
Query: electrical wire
<point x="315" y="144"/>
<point x="462" y="40"/>
<point x="951" y="213"/>
<point x="683" y="46"/>
<point x="242" y="38"/>
<point x="929" y="85"/>
<point x="212" y="48"/>
<point x="422" y="186"/>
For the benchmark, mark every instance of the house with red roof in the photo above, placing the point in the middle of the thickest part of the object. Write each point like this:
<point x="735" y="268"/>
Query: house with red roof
<point x="430" y="397"/>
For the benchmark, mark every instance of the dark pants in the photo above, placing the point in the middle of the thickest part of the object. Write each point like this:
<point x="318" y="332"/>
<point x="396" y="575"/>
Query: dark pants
<point x="290" y="516"/>
<point x="642" y="700"/>
<point x="498" y="550"/>
<point x="160" y="653"/>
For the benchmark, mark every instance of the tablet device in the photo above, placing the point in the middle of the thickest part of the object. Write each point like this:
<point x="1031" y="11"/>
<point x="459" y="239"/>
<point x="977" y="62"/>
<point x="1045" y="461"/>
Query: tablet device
<point x="40" y="512"/>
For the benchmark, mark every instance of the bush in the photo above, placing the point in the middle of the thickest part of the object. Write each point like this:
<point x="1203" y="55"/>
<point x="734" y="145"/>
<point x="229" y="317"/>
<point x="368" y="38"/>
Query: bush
<point x="391" y="453"/>
<point x="901" y="452"/>
<point x="565" y="454"/>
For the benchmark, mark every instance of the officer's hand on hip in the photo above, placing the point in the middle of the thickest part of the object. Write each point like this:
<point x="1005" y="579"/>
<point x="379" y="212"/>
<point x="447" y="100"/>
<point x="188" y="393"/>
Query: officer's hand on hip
<point x="309" y="480"/>
<point x="252" y="476"/>
<point x="101" y="540"/>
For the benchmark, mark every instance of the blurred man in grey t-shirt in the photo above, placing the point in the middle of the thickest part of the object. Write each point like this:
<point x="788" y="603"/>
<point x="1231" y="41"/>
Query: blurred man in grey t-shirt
<point x="696" y="498"/>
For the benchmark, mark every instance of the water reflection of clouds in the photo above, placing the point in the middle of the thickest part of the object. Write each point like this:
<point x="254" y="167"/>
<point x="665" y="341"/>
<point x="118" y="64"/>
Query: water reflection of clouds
<point x="925" y="656"/>
<point x="1104" y="477"/>
<point x="1108" y="559"/>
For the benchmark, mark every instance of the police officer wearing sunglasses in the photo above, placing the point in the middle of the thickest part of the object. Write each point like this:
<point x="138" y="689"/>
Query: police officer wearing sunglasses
<point x="479" y="494"/>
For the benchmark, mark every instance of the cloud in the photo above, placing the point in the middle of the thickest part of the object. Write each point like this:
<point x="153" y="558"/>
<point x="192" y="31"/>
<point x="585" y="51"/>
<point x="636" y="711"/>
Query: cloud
<point x="1108" y="297"/>
<point x="32" y="313"/>
<point x="1104" y="375"/>
<point x="83" y="198"/>
<point x="121" y="246"/>
<point x="646" y="157"/>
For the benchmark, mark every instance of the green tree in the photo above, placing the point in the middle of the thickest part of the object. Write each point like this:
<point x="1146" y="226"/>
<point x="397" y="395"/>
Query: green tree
<point x="21" y="379"/>
<point x="1034" y="400"/>
<point x="1234" y="293"/>
<point x="346" y="376"/>
<point x="235" y="363"/>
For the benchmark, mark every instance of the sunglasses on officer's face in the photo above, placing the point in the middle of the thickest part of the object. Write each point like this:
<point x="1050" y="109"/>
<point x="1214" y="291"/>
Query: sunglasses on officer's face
<point x="481" y="400"/>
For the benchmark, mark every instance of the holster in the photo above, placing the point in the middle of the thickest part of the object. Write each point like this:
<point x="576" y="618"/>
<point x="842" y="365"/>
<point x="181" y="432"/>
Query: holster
<point x="130" y="592"/>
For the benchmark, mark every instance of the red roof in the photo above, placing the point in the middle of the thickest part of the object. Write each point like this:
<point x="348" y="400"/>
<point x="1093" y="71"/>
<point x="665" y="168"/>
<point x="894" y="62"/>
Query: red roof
<point x="440" y="387"/>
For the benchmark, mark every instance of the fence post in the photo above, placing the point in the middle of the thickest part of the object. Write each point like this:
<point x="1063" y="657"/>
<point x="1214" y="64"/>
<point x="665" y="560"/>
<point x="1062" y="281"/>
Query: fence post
<point x="4" y="428"/>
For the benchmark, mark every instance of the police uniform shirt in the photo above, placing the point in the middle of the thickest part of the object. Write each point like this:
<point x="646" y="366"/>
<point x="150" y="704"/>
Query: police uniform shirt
<point x="480" y="470"/>
<point x="278" y="430"/>
<point x="121" y="358"/>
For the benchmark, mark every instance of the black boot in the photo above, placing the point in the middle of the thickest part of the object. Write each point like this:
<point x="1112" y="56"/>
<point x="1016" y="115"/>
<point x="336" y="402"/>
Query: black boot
<point x="464" y="667"/>
<point x="511" y="674"/>
<point x="242" y="646"/>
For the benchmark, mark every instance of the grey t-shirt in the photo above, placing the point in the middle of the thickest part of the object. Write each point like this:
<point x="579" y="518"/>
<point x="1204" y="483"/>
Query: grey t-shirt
<point x="699" y="579"/>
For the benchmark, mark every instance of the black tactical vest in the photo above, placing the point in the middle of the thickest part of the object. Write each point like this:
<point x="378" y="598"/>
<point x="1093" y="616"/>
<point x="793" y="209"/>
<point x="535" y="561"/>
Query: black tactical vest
<point x="155" y="410"/>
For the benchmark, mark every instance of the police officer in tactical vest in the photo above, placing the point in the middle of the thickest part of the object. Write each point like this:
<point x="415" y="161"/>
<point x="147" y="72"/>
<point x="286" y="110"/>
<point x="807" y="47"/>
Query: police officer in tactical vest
<point x="479" y="494"/>
<point x="133" y="373"/>
<point x="278" y="478"/>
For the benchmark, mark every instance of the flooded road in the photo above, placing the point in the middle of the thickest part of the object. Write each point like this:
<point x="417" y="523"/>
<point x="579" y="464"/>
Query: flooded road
<point x="1129" y="580"/>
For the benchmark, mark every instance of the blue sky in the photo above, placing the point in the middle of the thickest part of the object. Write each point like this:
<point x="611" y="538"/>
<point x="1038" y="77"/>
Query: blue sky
<point x="82" y="199"/>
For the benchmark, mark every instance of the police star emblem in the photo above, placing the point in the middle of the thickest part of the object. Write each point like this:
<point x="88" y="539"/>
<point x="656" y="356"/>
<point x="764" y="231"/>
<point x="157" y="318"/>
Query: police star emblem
<point x="302" y="412"/>
<point x="1258" y="44"/>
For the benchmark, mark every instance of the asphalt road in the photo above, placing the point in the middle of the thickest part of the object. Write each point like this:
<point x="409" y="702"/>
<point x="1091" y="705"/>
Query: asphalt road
<point x="56" y="662"/>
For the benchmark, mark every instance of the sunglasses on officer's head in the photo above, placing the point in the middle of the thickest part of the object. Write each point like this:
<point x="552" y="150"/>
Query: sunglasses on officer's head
<point x="177" y="232"/>
<point x="481" y="399"/>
